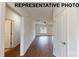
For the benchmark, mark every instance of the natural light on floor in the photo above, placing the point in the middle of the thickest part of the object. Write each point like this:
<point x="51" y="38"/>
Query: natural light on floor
<point x="43" y="40"/>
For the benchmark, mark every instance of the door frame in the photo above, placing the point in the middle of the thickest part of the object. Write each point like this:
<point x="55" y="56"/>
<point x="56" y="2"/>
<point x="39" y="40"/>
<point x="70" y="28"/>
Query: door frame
<point x="10" y="32"/>
<point x="65" y="10"/>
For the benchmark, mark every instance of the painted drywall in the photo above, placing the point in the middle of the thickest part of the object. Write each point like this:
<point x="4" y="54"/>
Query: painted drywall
<point x="2" y="15"/>
<point x="28" y="33"/>
<point x="73" y="32"/>
<point x="27" y="26"/>
<point x="49" y="29"/>
<point x="10" y="14"/>
<point x="57" y="10"/>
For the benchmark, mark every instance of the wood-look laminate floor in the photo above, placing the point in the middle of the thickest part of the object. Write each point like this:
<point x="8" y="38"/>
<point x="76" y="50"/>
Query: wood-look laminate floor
<point x="41" y="47"/>
<point x="13" y="52"/>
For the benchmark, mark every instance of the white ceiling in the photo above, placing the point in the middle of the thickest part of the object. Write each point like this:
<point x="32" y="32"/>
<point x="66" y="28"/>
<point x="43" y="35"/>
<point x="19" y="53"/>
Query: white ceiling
<point x="40" y="14"/>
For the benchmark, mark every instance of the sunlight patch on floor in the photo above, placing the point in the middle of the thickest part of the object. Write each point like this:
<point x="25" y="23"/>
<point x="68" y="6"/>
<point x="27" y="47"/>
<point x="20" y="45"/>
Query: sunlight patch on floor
<point x="43" y="40"/>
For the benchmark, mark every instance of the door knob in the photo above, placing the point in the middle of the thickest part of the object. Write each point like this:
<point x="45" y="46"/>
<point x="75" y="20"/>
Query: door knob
<point x="64" y="43"/>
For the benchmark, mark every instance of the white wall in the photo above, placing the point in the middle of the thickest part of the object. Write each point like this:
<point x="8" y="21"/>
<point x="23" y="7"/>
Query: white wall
<point x="49" y="29"/>
<point x="16" y="18"/>
<point x="28" y="33"/>
<point x="2" y="15"/>
<point x="73" y="32"/>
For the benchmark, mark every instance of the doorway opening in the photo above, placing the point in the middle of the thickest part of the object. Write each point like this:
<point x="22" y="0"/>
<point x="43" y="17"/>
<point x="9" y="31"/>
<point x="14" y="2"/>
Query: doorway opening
<point x="8" y="34"/>
<point x="12" y="33"/>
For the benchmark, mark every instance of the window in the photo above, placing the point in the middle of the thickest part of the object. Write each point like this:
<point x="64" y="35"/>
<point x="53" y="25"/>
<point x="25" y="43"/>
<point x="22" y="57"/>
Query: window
<point x="43" y="29"/>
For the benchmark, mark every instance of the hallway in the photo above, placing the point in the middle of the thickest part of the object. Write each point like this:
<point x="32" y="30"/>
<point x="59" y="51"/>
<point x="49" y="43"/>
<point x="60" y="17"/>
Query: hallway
<point x="41" y="47"/>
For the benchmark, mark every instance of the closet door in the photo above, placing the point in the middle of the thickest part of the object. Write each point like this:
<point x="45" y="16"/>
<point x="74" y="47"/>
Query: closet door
<point x="7" y="33"/>
<point x="61" y="34"/>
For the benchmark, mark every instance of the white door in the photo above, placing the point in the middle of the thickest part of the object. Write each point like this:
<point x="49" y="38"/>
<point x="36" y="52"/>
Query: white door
<point x="8" y="34"/>
<point x="61" y="35"/>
